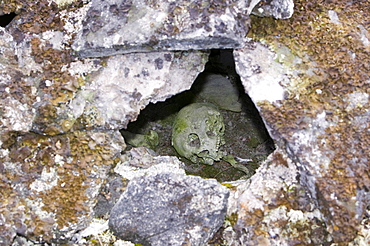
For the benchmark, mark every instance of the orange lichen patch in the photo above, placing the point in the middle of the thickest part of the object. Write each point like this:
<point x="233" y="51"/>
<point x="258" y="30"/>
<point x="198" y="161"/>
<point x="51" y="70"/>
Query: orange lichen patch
<point x="8" y="6"/>
<point x="68" y="199"/>
<point x="288" y="214"/>
<point x="252" y="219"/>
<point x="334" y="48"/>
<point x="55" y="85"/>
<point x="20" y="89"/>
<point x="55" y="177"/>
<point x="339" y="55"/>
<point x="37" y="16"/>
<point x="303" y="231"/>
<point x="53" y="61"/>
<point x="279" y="159"/>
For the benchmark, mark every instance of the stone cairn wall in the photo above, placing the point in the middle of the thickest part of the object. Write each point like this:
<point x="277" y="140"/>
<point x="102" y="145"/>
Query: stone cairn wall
<point x="75" y="72"/>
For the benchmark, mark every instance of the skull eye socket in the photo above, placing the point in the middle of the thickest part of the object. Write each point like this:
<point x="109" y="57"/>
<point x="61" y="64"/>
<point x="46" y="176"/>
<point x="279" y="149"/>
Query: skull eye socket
<point x="193" y="140"/>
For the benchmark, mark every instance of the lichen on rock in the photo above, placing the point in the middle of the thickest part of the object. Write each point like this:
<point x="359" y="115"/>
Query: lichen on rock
<point x="317" y="122"/>
<point x="172" y="209"/>
<point x="127" y="83"/>
<point x="60" y="112"/>
<point x="58" y="179"/>
<point x="118" y="27"/>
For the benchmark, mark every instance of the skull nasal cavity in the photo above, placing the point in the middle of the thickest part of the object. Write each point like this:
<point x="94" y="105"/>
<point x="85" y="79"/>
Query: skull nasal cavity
<point x="194" y="140"/>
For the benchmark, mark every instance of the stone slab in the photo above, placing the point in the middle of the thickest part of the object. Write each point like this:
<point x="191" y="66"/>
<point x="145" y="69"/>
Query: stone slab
<point x="169" y="209"/>
<point x="116" y="26"/>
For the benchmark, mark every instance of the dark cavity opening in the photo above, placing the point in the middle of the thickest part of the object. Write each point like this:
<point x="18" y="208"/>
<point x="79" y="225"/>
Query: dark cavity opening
<point x="246" y="137"/>
<point x="6" y="19"/>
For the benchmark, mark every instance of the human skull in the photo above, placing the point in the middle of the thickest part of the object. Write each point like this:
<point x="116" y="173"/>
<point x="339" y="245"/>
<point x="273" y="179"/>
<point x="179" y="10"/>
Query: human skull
<point x="198" y="133"/>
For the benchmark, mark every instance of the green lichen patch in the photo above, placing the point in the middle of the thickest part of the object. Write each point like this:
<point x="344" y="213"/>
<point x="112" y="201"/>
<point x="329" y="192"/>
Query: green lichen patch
<point x="336" y="62"/>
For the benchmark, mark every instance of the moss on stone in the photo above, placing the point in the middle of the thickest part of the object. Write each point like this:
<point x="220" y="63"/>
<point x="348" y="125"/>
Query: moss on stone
<point x="76" y="160"/>
<point x="340" y="62"/>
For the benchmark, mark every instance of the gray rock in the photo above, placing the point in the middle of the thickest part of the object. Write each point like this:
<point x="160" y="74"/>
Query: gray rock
<point x="279" y="9"/>
<point x="218" y="90"/>
<point x="117" y="26"/>
<point x="258" y="70"/>
<point x="16" y="99"/>
<point x="129" y="82"/>
<point x="312" y="93"/>
<point x="110" y="94"/>
<point x="142" y="161"/>
<point x="169" y="209"/>
<point x="59" y="191"/>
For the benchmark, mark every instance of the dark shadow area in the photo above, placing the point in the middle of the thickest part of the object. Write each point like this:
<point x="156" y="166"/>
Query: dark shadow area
<point x="246" y="136"/>
<point x="6" y="19"/>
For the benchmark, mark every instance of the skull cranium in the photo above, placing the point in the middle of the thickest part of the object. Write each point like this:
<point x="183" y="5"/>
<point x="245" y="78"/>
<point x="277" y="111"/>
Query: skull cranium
<point x="198" y="133"/>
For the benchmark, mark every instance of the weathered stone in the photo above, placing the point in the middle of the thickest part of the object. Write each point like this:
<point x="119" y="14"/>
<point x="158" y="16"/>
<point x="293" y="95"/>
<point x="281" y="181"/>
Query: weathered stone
<point x="279" y="9"/>
<point x="42" y="90"/>
<point x="218" y="90"/>
<point x="116" y="26"/>
<point x="318" y="120"/>
<point x="17" y="88"/>
<point x="65" y="94"/>
<point x="142" y="161"/>
<point x="49" y="185"/>
<point x="256" y="65"/>
<point x="128" y="83"/>
<point x="136" y="162"/>
<point x="108" y="196"/>
<point x="62" y="3"/>
<point x="273" y="207"/>
<point x="169" y="209"/>
<point x="315" y="105"/>
<point x="53" y="106"/>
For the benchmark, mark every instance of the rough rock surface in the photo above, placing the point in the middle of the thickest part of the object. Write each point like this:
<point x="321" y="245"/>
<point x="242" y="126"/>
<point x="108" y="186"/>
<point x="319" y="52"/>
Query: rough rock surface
<point x="128" y="83"/>
<point x="169" y="209"/>
<point x="279" y="9"/>
<point x="308" y="75"/>
<point x="116" y="27"/>
<point x="49" y="184"/>
<point x="258" y="70"/>
<point x="317" y="114"/>
<point x="274" y="208"/>
<point x="56" y="93"/>
<point x="134" y="163"/>
<point x="218" y="90"/>
<point x="142" y="161"/>
<point x="106" y="94"/>
<point x="53" y="161"/>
